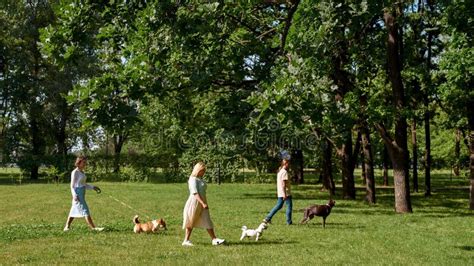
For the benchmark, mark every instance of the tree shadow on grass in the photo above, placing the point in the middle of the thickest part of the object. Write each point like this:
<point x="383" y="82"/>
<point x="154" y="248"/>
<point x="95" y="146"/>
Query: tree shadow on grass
<point x="331" y="226"/>
<point x="129" y="231"/>
<point x="262" y="196"/>
<point x="443" y="214"/>
<point x="420" y="211"/>
<point x="260" y="242"/>
<point x="466" y="248"/>
<point x="358" y="211"/>
<point x="451" y="199"/>
<point x="445" y="195"/>
<point x="118" y="229"/>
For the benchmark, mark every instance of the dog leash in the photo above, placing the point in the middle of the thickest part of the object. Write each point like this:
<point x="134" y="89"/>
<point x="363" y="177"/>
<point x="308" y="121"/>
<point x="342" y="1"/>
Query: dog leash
<point x="128" y="206"/>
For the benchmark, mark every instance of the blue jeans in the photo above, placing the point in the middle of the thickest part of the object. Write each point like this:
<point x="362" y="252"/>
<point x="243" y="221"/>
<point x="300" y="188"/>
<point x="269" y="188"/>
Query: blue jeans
<point x="278" y="206"/>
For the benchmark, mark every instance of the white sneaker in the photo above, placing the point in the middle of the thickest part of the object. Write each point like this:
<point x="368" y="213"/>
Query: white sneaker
<point x="98" y="229"/>
<point x="187" y="243"/>
<point x="66" y="229"/>
<point x="217" y="241"/>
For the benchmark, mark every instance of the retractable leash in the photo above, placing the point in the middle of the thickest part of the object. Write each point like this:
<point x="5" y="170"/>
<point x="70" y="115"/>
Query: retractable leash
<point x="126" y="205"/>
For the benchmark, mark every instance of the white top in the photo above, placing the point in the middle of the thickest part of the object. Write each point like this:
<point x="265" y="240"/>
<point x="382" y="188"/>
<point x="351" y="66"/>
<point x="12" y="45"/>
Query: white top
<point x="282" y="176"/>
<point x="78" y="179"/>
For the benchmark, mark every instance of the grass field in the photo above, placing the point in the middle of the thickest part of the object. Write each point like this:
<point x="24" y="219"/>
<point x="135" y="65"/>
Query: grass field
<point x="439" y="232"/>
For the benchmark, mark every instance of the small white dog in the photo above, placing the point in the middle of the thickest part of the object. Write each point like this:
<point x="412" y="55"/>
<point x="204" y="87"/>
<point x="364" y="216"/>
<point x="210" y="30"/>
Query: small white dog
<point x="253" y="232"/>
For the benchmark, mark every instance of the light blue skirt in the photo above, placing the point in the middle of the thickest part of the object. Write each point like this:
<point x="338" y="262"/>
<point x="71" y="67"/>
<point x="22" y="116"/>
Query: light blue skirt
<point x="79" y="208"/>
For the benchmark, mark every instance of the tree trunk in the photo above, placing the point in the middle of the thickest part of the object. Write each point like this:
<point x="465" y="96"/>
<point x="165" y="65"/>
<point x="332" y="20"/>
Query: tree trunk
<point x="401" y="182"/>
<point x="61" y="136"/>
<point x="348" y="156"/>
<point x="37" y="143"/>
<point x="35" y="109"/>
<point x="5" y="105"/>
<point x="348" y="165"/>
<point x="297" y="165"/>
<point x="107" y="153"/>
<point x="465" y="139"/>
<point x="415" y="156"/>
<point x="470" y="115"/>
<point x="363" y="176"/>
<point x="35" y="151"/>
<point x="385" y="165"/>
<point x="344" y="83"/>
<point x="457" y="152"/>
<point x="328" y="180"/>
<point x="397" y="148"/>
<point x="471" y="167"/>
<point x="119" y="140"/>
<point x="34" y="172"/>
<point x="427" y="116"/>
<point x="368" y="164"/>
<point x="427" y="154"/>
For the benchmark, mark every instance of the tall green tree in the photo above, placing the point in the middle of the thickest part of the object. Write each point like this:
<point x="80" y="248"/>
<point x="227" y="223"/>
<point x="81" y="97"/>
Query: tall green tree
<point x="67" y="47"/>
<point x="457" y="71"/>
<point x="397" y="145"/>
<point x="25" y="82"/>
<point x="106" y="81"/>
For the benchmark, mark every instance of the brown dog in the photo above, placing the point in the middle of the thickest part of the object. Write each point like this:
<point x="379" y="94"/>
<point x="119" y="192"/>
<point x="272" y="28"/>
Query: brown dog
<point x="318" y="210"/>
<point x="148" y="227"/>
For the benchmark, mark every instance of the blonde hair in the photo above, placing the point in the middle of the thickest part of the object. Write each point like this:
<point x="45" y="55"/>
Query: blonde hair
<point x="80" y="159"/>
<point x="200" y="166"/>
<point x="283" y="162"/>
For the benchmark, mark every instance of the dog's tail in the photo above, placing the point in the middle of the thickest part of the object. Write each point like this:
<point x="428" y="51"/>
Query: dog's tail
<point x="135" y="219"/>
<point x="244" y="228"/>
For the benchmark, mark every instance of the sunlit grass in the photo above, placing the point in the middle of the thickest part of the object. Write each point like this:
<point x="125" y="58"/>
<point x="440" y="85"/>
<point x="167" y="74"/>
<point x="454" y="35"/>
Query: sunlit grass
<point x="439" y="232"/>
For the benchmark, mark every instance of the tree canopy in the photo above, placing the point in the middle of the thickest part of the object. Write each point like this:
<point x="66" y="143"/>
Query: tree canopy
<point x="238" y="83"/>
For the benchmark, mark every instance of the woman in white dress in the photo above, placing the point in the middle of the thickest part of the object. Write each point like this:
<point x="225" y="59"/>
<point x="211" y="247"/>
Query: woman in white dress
<point x="196" y="210"/>
<point x="79" y="206"/>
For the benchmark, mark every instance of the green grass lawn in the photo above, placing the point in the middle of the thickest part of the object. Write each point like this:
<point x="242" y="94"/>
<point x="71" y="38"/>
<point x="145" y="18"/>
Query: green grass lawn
<point x="439" y="232"/>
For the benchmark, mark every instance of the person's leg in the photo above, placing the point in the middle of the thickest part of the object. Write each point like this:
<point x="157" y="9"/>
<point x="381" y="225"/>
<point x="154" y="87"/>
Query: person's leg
<point x="90" y="222"/>
<point x="275" y="209"/>
<point x="215" y="241"/>
<point x="68" y="222"/>
<point x="289" y="210"/>
<point x="188" y="233"/>
<point x="83" y="208"/>
<point x="187" y="242"/>
<point x="211" y="233"/>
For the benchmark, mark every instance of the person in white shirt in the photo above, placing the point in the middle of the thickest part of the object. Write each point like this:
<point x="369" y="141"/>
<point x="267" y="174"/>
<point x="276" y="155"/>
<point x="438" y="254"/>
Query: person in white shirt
<point x="284" y="194"/>
<point x="79" y="206"/>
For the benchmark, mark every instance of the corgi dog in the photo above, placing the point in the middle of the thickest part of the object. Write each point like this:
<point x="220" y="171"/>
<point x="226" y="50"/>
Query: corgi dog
<point x="148" y="227"/>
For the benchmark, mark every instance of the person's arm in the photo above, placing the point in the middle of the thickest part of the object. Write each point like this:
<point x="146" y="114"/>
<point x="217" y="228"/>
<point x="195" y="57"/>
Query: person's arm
<point x="284" y="184"/>
<point x="74" y="177"/>
<point x="192" y="183"/>
<point x="91" y="187"/>
<point x="198" y="198"/>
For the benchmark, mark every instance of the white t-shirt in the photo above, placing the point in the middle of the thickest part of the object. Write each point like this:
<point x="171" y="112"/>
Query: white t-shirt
<point x="281" y="177"/>
<point x="78" y="179"/>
